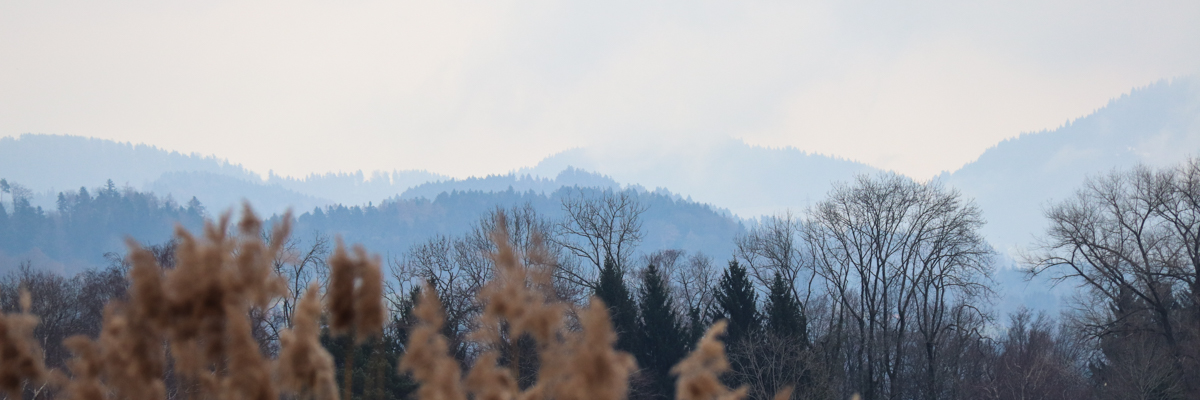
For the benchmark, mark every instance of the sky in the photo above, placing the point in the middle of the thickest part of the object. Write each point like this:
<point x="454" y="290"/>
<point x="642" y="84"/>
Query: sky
<point x="482" y="87"/>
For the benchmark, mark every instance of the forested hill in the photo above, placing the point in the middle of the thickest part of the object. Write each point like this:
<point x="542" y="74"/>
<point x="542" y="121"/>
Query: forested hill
<point x="70" y="162"/>
<point x="394" y="225"/>
<point x="88" y="223"/>
<point x="1158" y="125"/>
<point x="54" y="163"/>
<point x="748" y="180"/>
<point x="568" y="177"/>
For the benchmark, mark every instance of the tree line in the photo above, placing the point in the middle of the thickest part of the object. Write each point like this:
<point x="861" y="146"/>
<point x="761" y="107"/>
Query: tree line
<point x="881" y="289"/>
<point x="85" y="225"/>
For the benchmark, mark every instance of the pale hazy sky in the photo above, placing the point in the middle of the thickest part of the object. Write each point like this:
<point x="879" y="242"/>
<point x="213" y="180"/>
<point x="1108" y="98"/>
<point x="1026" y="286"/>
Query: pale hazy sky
<point x="477" y="87"/>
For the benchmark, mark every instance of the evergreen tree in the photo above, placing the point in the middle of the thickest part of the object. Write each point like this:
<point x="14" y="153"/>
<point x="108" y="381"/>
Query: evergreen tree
<point x="737" y="303"/>
<point x="698" y="322"/>
<point x="783" y="313"/>
<point x="612" y="291"/>
<point x="662" y="333"/>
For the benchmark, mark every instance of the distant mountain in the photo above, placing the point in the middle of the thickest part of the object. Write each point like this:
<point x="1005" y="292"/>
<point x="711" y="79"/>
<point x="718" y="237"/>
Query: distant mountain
<point x="1158" y="125"/>
<point x="220" y="192"/>
<point x="748" y="180"/>
<point x="569" y="177"/>
<point x="47" y="164"/>
<point x="393" y="226"/>
<point x="44" y="162"/>
<point x="355" y="188"/>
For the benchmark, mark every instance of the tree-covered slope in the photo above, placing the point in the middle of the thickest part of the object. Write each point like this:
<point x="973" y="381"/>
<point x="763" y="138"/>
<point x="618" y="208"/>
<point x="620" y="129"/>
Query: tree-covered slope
<point x="1157" y="125"/>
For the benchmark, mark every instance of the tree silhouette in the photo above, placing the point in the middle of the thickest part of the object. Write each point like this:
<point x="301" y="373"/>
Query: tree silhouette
<point x="783" y="314"/>
<point x="611" y="289"/>
<point x="662" y="333"/>
<point x="737" y="302"/>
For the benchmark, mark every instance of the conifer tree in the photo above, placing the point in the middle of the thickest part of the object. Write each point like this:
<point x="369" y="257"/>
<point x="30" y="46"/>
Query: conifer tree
<point x="698" y="322"/>
<point x="737" y="302"/>
<point x="612" y="290"/>
<point x="783" y="314"/>
<point x="662" y="333"/>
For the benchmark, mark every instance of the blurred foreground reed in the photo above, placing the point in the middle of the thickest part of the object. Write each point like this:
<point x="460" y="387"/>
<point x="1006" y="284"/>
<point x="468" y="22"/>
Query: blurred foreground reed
<point x="191" y="324"/>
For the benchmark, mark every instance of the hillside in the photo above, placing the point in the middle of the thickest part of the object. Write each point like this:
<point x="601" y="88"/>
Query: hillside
<point x="748" y="180"/>
<point x="1157" y="125"/>
<point x="88" y="223"/>
<point x="393" y="226"/>
<point x="47" y="164"/>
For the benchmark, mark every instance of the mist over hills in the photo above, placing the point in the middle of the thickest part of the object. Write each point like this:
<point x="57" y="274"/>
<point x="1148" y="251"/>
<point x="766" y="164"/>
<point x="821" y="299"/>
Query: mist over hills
<point x="387" y="211"/>
<point x="392" y="226"/>
<point x="704" y="192"/>
<point x="568" y="177"/>
<point x="47" y="164"/>
<point x="748" y="180"/>
<point x="1156" y="125"/>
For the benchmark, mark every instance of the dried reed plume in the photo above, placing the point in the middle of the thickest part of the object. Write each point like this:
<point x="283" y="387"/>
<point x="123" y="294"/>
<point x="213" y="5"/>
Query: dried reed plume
<point x="200" y="308"/>
<point x="573" y="365"/>
<point x="85" y="368"/>
<point x="305" y="367"/>
<point x="355" y="293"/>
<point x="593" y="368"/>
<point x="698" y="372"/>
<point x="427" y="356"/>
<point x="355" y="300"/>
<point x="20" y="355"/>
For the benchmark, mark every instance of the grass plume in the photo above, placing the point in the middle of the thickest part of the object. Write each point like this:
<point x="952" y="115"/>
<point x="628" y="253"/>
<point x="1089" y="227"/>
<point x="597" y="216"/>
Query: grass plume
<point x="305" y="367"/>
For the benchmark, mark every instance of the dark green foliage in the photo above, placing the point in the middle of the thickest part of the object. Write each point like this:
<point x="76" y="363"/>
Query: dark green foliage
<point x="375" y="361"/>
<point x="783" y="314"/>
<point x="698" y="322"/>
<point x="663" y="334"/>
<point x="737" y="302"/>
<point x="375" y="366"/>
<point x="611" y="289"/>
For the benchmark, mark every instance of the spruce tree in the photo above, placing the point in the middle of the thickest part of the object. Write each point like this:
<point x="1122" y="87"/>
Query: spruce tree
<point x="737" y="302"/>
<point x="663" y="335"/>
<point x="698" y="322"/>
<point x="783" y="313"/>
<point x="612" y="290"/>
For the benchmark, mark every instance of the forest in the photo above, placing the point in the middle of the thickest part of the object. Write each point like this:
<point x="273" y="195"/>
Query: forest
<point x="85" y="229"/>
<point x="880" y="290"/>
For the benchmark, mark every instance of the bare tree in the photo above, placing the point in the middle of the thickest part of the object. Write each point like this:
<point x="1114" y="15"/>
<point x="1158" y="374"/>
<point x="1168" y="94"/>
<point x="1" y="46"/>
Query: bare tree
<point x="528" y="234"/>
<point x="894" y="253"/>
<point x="776" y="245"/>
<point x="299" y="262"/>
<point x="599" y="225"/>
<point x="1032" y="360"/>
<point x="458" y="267"/>
<point x="1132" y="238"/>
<point x="766" y="363"/>
<point x="691" y="278"/>
<point x="448" y="266"/>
